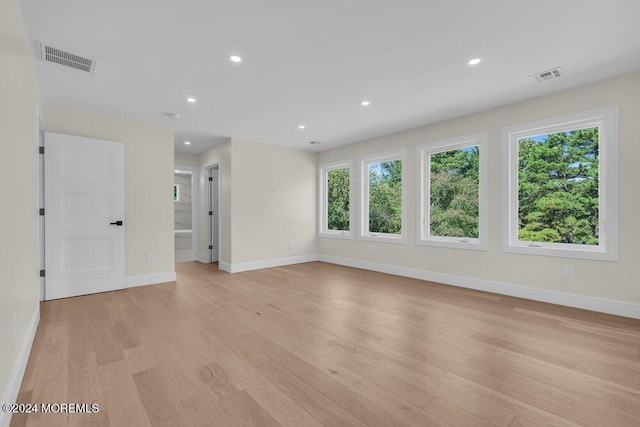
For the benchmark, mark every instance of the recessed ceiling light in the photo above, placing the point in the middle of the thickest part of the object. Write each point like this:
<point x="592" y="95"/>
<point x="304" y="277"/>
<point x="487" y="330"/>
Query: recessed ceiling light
<point x="301" y="126"/>
<point x="474" y="61"/>
<point x="365" y="103"/>
<point x="191" y="99"/>
<point x="187" y="143"/>
<point x="235" y="58"/>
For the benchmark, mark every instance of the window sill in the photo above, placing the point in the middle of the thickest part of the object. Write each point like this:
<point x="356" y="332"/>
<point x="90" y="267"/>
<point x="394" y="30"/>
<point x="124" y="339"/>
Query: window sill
<point x="469" y="244"/>
<point x="597" y="254"/>
<point x="347" y="235"/>
<point x="398" y="239"/>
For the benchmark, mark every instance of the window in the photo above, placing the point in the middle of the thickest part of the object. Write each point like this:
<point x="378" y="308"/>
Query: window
<point x="452" y="199"/>
<point x="383" y="198"/>
<point x="561" y="192"/>
<point x="176" y="192"/>
<point x="335" y="200"/>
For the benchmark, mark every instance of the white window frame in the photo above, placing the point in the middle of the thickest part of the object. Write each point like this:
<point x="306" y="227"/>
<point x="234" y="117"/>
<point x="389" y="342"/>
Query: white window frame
<point x="423" y="196"/>
<point x="323" y="170"/>
<point x="606" y="118"/>
<point x="365" y="234"/>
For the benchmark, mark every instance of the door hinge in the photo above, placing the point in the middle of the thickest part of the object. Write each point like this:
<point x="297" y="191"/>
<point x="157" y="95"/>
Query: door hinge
<point x="41" y="211"/>
<point x="210" y="178"/>
<point x="41" y="150"/>
<point x="41" y="273"/>
<point x="210" y="246"/>
<point x="210" y="212"/>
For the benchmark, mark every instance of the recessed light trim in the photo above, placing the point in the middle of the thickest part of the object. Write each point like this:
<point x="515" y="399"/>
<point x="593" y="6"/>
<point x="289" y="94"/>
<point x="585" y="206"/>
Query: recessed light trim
<point x="191" y="99"/>
<point x="474" y="61"/>
<point x="365" y="103"/>
<point x="301" y="127"/>
<point x="187" y="143"/>
<point x="235" y="58"/>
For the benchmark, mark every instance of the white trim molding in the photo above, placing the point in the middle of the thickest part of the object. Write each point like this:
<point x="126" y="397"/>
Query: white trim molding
<point x="423" y="192"/>
<point x="606" y="119"/>
<point x="195" y="194"/>
<point x="21" y="366"/>
<point x="364" y="232"/>
<point x="269" y="263"/>
<point x="224" y="266"/>
<point x="603" y="305"/>
<point x="323" y="194"/>
<point x="150" y="279"/>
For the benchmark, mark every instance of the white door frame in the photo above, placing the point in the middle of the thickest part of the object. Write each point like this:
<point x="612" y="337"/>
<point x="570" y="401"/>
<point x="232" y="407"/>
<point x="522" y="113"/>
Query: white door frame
<point x="193" y="170"/>
<point x="206" y="172"/>
<point x="41" y="189"/>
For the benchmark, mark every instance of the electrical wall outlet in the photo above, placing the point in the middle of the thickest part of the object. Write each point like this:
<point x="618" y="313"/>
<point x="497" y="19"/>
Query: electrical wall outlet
<point x="151" y="258"/>
<point x="290" y="245"/>
<point x="568" y="270"/>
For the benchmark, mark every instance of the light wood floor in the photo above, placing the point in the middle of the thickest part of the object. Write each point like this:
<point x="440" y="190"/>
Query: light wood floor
<point x="318" y="344"/>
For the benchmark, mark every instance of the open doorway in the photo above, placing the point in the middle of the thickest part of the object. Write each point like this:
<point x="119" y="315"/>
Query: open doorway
<point x="185" y="223"/>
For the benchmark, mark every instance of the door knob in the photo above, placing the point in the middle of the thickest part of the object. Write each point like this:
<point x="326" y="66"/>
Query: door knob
<point x="118" y="223"/>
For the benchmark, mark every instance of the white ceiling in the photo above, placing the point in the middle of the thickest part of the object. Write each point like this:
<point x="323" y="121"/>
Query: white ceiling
<point x="311" y="62"/>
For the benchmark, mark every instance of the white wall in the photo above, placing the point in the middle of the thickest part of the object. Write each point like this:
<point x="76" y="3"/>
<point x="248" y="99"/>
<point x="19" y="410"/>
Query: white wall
<point x="185" y="159"/>
<point x="273" y="202"/>
<point x="608" y="280"/>
<point x="149" y="166"/>
<point x="18" y="211"/>
<point x="267" y="199"/>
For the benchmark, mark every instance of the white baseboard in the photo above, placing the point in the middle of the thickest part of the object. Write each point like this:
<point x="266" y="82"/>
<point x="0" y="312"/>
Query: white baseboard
<point x="269" y="263"/>
<point x="18" y="374"/>
<point x="620" y="308"/>
<point x="150" y="279"/>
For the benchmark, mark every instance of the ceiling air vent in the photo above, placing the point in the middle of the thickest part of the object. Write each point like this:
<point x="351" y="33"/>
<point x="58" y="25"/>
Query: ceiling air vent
<point x="544" y="76"/>
<point x="51" y="54"/>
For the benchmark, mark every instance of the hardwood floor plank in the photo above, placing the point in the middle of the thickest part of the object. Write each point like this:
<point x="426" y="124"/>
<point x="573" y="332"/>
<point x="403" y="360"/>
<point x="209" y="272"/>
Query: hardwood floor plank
<point x="327" y="380"/>
<point x="107" y="346"/>
<point x="247" y="412"/>
<point x="625" y="403"/>
<point x="124" y="330"/>
<point x="317" y="404"/>
<point x="161" y="404"/>
<point x="121" y="396"/>
<point x="454" y="415"/>
<point x="411" y="414"/>
<point x="320" y="344"/>
<point x="182" y="380"/>
<point x="84" y="381"/>
<point x="139" y="359"/>
<point x="204" y="409"/>
<point x="277" y="403"/>
<point x="52" y="363"/>
<point x="53" y="391"/>
<point x="217" y="380"/>
<point x="20" y="419"/>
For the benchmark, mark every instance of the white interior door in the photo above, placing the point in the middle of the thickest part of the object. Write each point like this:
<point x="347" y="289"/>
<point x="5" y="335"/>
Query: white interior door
<point x="84" y="215"/>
